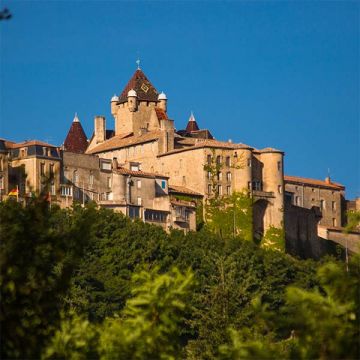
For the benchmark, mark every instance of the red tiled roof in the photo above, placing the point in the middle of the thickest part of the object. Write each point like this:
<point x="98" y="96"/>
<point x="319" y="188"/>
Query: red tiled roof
<point x="124" y="171"/>
<point x="144" y="89"/>
<point x="313" y="182"/>
<point x="192" y="126"/>
<point x="161" y="114"/>
<point x="76" y="140"/>
<point x="120" y="141"/>
<point x="182" y="190"/>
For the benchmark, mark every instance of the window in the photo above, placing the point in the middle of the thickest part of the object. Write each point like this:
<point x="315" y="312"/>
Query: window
<point x="228" y="176"/>
<point x="279" y="165"/>
<point x="139" y="200"/>
<point x="52" y="188"/>
<point x="297" y="200"/>
<point x="209" y="189"/>
<point x="66" y="191"/>
<point x="228" y="161"/>
<point x="280" y="189"/>
<point x="153" y="215"/>
<point x="334" y="222"/>
<point x="134" y="212"/>
<point x="333" y="206"/>
<point x="42" y="169"/>
<point x="219" y="175"/>
<point x="134" y="167"/>
<point x="91" y="179"/>
<point x="249" y="162"/>
<point x="228" y="190"/>
<point x="257" y="185"/>
<point x="322" y="204"/>
<point x="51" y="170"/>
<point x="105" y="165"/>
<point x="209" y="159"/>
<point x="138" y="184"/>
<point x="108" y="182"/>
<point x="218" y="160"/>
<point x="219" y="189"/>
<point x="163" y="184"/>
<point x="209" y="175"/>
<point x="249" y="185"/>
<point x="75" y="177"/>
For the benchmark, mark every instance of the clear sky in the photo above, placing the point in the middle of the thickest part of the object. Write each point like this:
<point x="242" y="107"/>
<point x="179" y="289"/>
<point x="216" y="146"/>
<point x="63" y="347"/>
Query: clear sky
<point x="268" y="74"/>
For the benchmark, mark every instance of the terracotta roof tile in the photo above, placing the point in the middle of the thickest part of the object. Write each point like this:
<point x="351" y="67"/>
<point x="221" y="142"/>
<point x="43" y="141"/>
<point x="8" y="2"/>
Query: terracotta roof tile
<point x="76" y="140"/>
<point x="120" y="141"/>
<point x="182" y="190"/>
<point x="161" y="114"/>
<point x="144" y="89"/>
<point x="313" y="182"/>
<point x="124" y="171"/>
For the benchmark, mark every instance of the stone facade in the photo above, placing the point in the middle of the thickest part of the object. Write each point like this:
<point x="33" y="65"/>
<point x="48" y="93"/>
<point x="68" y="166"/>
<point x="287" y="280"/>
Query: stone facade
<point x="145" y="134"/>
<point x="327" y="195"/>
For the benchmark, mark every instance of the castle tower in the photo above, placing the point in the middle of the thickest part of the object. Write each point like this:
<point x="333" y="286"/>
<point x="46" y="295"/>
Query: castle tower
<point x="76" y="140"/>
<point x="135" y="106"/>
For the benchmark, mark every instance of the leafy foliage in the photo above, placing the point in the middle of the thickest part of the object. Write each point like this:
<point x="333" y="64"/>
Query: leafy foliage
<point x="94" y="284"/>
<point x="39" y="249"/>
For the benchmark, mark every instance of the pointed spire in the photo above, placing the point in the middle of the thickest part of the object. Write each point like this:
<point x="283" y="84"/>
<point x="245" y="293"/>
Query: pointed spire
<point x="138" y="63"/>
<point x="76" y="140"/>
<point x="144" y="89"/>
<point x="192" y="124"/>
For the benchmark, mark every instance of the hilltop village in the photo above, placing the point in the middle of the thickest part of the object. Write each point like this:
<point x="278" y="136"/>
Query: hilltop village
<point x="145" y="168"/>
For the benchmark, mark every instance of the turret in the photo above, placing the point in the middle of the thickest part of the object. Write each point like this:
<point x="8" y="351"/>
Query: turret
<point x="114" y="101"/>
<point x="132" y="100"/>
<point x="162" y="101"/>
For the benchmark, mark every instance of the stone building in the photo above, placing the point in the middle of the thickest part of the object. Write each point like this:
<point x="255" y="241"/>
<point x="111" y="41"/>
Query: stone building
<point x="30" y="167"/>
<point x="145" y="134"/>
<point x="327" y="195"/>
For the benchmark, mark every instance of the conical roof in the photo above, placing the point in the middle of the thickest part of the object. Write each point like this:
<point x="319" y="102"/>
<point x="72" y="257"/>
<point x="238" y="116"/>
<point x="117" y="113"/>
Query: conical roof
<point x="192" y="124"/>
<point x="144" y="89"/>
<point x="76" y="140"/>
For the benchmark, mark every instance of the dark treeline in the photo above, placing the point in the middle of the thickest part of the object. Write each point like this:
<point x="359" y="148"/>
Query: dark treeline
<point x="87" y="283"/>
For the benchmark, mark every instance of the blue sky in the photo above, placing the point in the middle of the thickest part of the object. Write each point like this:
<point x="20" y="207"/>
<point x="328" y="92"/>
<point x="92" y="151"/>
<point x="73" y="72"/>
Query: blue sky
<point x="278" y="74"/>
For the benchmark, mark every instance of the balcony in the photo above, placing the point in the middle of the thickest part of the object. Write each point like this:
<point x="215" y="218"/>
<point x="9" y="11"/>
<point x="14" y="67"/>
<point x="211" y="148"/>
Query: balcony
<point x="259" y="194"/>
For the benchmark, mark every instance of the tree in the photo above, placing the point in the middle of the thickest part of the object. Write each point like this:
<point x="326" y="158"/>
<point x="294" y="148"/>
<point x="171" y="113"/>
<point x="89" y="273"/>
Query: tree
<point x="39" y="250"/>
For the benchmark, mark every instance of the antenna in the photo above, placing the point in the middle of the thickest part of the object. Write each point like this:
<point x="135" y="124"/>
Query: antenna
<point x="138" y="63"/>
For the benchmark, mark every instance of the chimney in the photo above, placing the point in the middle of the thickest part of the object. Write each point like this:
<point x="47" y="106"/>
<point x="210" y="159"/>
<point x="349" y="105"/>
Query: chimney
<point x="99" y="129"/>
<point x="115" y="163"/>
<point x="328" y="180"/>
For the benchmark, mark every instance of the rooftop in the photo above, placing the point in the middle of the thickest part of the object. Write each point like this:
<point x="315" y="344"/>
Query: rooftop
<point x="313" y="182"/>
<point x="145" y="91"/>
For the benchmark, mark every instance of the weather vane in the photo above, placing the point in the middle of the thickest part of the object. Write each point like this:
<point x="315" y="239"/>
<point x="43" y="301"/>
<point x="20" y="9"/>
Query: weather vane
<point x="138" y="64"/>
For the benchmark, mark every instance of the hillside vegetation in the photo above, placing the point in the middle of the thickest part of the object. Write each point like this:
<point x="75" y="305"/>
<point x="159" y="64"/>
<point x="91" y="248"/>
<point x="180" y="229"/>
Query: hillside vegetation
<point x="87" y="283"/>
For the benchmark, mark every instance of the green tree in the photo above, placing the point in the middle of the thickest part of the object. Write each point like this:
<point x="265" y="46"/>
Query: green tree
<point x="39" y="250"/>
<point x="149" y="328"/>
